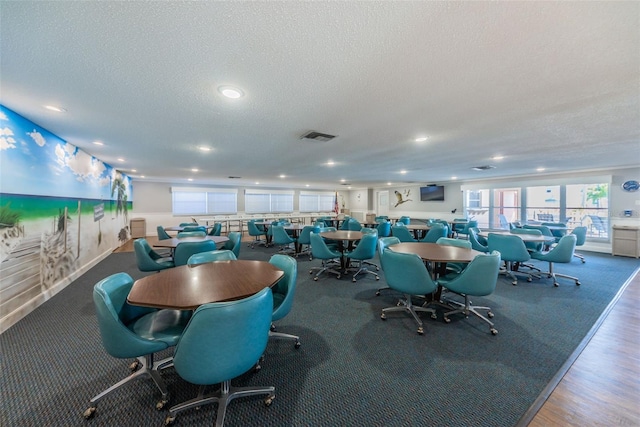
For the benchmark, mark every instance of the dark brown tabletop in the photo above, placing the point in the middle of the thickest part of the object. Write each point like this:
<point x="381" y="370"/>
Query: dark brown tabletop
<point x="179" y="229"/>
<point x="187" y="287"/>
<point x="434" y="252"/>
<point x="342" y="235"/>
<point x="525" y="237"/>
<point x="174" y="242"/>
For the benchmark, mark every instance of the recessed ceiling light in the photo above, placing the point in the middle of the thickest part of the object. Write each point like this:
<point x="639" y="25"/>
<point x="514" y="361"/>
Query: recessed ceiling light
<point x="330" y="163"/>
<point x="388" y="183"/>
<point x="497" y="158"/>
<point x="349" y="187"/>
<point x="421" y="139"/>
<point x="231" y="92"/>
<point x="194" y="170"/>
<point x="142" y="176"/>
<point x="97" y="143"/>
<point x="189" y="179"/>
<point x="54" y="108"/>
<point x="134" y="170"/>
<point x="120" y="159"/>
<point x="283" y="176"/>
<point x="454" y="177"/>
<point x="204" y="148"/>
<point x="306" y="185"/>
<point x="540" y="169"/>
<point x="343" y="180"/>
<point x="257" y="183"/>
<point x="403" y="172"/>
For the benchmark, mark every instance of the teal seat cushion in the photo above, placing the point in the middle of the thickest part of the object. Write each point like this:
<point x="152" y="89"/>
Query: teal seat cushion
<point x="162" y="325"/>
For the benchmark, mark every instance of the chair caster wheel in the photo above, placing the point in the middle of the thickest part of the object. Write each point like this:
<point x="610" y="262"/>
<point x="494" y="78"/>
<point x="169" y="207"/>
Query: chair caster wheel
<point x="447" y="320"/>
<point x="377" y="277"/>
<point x="161" y="404"/>
<point x="490" y="315"/>
<point x="272" y="327"/>
<point x="315" y="279"/>
<point x="494" y="331"/>
<point x="377" y="293"/>
<point x="383" y="316"/>
<point x="420" y="331"/>
<point x="269" y="400"/>
<point x="89" y="412"/>
<point x="310" y="271"/>
<point x="134" y="365"/>
<point x="529" y="279"/>
<point x="556" y="284"/>
<point x="578" y="283"/>
<point x="353" y="280"/>
<point x="297" y="345"/>
<point x="339" y="276"/>
<point x="169" y="420"/>
<point x="257" y="367"/>
<point x="514" y="283"/>
<point x="434" y="316"/>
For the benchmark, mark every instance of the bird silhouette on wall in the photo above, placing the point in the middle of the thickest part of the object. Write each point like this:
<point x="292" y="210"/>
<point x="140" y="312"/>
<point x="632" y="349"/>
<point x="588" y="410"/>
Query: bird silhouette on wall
<point x="402" y="198"/>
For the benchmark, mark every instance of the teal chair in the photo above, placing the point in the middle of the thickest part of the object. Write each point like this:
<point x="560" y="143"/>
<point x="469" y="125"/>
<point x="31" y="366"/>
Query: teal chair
<point x="234" y="243"/>
<point x="478" y="243"/>
<point x="283" y="293"/>
<point x="405" y="220"/>
<point x="215" y="230"/>
<point x="211" y="256"/>
<point x="197" y="233"/>
<point x="304" y="240"/>
<point x="282" y="239"/>
<point x="128" y="331"/>
<point x="531" y="246"/>
<point x="221" y="342"/>
<point x="557" y="233"/>
<point x="455" y="267"/>
<point x="478" y="279"/>
<point x="365" y="250"/>
<point x="328" y="257"/>
<point x="195" y="228"/>
<point x="436" y="231"/>
<point x="162" y="234"/>
<point x="257" y="234"/>
<point x="185" y="249"/>
<point x="581" y="237"/>
<point x="149" y="260"/>
<point x="512" y="252"/>
<point x="407" y="274"/>
<point x="402" y="233"/>
<point x="545" y="232"/>
<point x="354" y="225"/>
<point x="560" y="253"/>
<point x="384" y="229"/>
<point x="383" y="243"/>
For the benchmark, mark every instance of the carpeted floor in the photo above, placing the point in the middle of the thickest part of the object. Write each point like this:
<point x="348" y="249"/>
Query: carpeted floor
<point x="352" y="369"/>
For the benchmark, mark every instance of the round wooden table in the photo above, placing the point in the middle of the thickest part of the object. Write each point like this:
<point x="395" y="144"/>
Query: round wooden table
<point x="341" y="236"/>
<point x="187" y="287"/>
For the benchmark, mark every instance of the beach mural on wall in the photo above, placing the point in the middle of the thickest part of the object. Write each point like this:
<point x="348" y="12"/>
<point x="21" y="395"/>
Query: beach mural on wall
<point x="60" y="209"/>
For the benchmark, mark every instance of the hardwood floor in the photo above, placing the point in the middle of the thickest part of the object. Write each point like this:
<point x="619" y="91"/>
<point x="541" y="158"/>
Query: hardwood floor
<point x="602" y="386"/>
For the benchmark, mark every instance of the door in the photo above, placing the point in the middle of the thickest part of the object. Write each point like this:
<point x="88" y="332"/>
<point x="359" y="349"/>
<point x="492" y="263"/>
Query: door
<point x="382" y="207"/>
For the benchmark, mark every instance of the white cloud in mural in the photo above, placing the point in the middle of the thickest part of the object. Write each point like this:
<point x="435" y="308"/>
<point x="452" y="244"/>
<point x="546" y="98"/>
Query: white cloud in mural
<point x="82" y="164"/>
<point x="6" y="139"/>
<point x="37" y="138"/>
<point x="3" y="116"/>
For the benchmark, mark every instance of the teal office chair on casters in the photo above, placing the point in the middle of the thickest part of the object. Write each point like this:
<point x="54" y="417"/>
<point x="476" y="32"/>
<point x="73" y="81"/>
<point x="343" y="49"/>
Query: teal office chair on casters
<point x="581" y="238"/>
<point x="283" y="293"/>
<point x="221" y="342"/>
<point x="234" y="243"/>
<point x="512" y="252"/>
<point x="329" y="257"/>
<point x="383" y="243"/>
<point x="406" y="273"/>
<point x="186" y="249"/>
<point x="211" y="256"/>
<point x="366" y="250"/>
<point x="478" y="279"/>
<point x="257" y="234"/>
<point x="560" y="253"/>
<point x="129" y="331"/>
<point x="149" y="260"/>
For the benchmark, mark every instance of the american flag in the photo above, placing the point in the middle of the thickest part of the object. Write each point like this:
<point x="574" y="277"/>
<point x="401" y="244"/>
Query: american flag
<point x="336" y="208"/>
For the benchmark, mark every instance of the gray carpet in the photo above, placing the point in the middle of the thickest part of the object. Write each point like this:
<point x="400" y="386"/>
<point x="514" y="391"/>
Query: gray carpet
<point x="352" y="369"/>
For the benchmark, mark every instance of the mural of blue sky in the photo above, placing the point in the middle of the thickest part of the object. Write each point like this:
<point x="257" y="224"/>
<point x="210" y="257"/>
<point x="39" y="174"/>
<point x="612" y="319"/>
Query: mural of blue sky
<point x="36" y="162"/>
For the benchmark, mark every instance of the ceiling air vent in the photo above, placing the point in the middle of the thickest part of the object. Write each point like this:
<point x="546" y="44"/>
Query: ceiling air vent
<point x="345" y="183"/>
<point x="235" y="177"/>
<point x="317" y="136"/>
<point x="483" y="168"/>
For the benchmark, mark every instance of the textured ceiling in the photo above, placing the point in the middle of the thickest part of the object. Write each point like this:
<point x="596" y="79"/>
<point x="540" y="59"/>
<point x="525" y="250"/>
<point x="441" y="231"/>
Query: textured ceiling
<point x="545" y="84"/>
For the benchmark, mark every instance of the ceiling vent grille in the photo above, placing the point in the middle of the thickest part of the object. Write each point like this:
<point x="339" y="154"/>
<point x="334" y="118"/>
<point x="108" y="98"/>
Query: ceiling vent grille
<point x="483" y="168"/>
<point x="317" y="136"/>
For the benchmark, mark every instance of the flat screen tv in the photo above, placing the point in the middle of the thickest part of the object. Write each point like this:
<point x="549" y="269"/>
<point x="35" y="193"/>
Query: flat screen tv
<point x="432" y="193"/>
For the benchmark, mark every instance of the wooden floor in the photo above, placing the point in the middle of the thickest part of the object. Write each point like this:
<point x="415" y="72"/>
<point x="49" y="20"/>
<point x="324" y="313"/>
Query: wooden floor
<point x="602" y="386"/>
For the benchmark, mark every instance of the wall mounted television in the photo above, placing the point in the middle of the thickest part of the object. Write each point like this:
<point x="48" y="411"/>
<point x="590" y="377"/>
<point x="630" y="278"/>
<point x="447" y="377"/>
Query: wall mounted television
<point x="432" y="193"/>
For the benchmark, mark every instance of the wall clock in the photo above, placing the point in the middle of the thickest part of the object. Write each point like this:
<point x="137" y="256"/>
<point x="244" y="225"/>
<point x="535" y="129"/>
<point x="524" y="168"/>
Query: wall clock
<point x="630" y="185"/>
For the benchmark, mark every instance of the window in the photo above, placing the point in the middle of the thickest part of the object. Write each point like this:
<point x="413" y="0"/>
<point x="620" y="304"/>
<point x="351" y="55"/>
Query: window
<point x="204" y="201"/>
<point x="477" y="206"/>
<point x="588" y="205"/>
<point x="268" y="201"/>
<point x="543" y="204"/>
<point x="316" y="202"/>
<point x="506" y="207"/>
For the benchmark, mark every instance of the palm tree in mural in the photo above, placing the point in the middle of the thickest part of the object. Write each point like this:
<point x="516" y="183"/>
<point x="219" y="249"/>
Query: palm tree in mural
<point x="120" y="187"/>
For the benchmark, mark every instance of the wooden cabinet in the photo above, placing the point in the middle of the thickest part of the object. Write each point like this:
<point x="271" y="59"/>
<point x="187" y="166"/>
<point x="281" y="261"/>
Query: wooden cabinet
<point x="626" y="241"/>
<point x="138" y="227"/>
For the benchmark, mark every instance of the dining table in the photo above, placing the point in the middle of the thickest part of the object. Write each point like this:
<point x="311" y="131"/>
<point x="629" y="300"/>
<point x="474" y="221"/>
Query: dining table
<point x="178" y="229"/>
<point x="418" y="230"/>
<point x="342" y="236"/>
<point x="535" y="238"/>
<point x="189" y="286"/>
<point x="174" y="242"/>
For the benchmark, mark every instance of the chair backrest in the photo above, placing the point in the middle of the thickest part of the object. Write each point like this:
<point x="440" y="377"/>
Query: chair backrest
<point x="402" y="233"/>
<point x="305" y="235"/>
<point x="543" y="229"/>
<point x="480" y="276"/>
<point x="234" y="243"/>
<point x="185" y="249"/>
<point x="183" y="234"/>
<point x="319" y="248"/>
<point x="407" y="273"/>
<point x="280" y="235"/>
<point x="216" y="229"/>
<point x="146" y="257"/>
<point x="211" y="256"/>
<point x="503" y="221"/>
<point x="284" y="290"/>
<point x="511" y="248"/>
<point x="224" y="340"/>
<point x="563" y="251"/>
<point x="532" y="246"/>
<point x="162" y="234"/>
<point x="384" y="228"/>
<point x="446" y="241"/>
<point x="581" y="235"/>
<point x="194" y="228"/>
<point x="254" y="230"/>
<point x="113" y="312"/>
<point x="383" y="243"/>
<point x="436" y="231"/>
<point x="405" y="220"/>
<point x="476" y="244"/>
<point x="354" y="225"/>
<point x="366" y="248"/>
